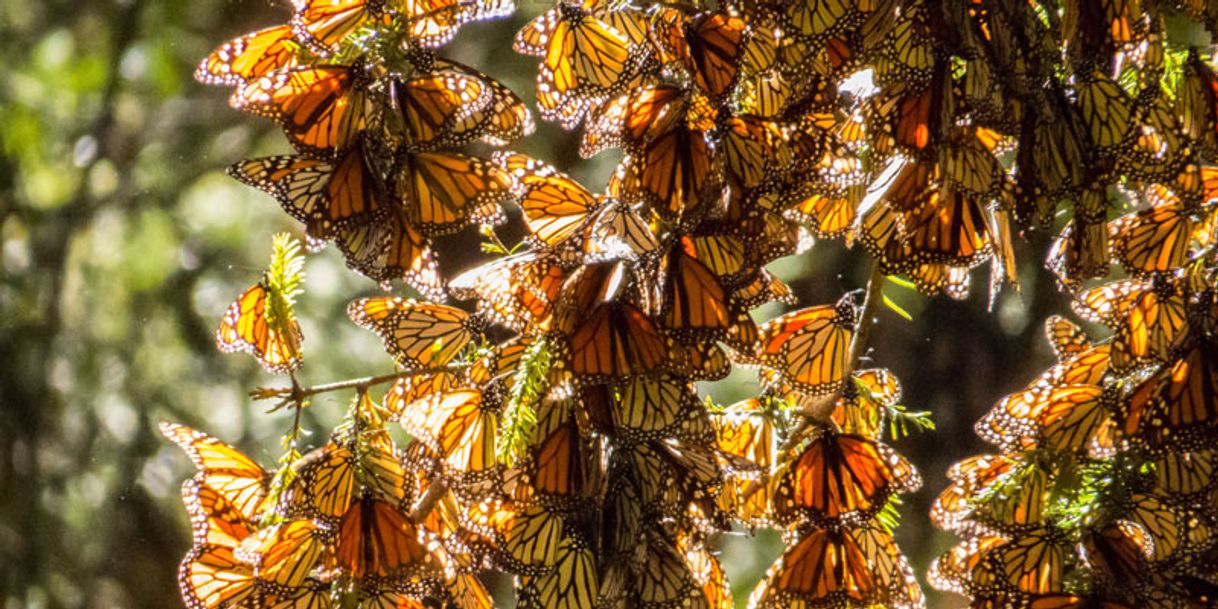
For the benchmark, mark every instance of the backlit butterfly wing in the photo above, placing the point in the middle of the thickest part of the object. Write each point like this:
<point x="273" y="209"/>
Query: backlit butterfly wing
<point x="1065" y="337"/>
<point x="445" y="192"/>
<point x="376" y="540"/>
<point x="227" y="470"/>
<point x="417" y="334"/>
<point x="838" y="475"/>
<point x="555" y="206"/>
<point x="284" y="553"/>
<point x="822" y="565"/>
<point x="246" y="327"/>
<point x="323" y="24"/>
<point x="249" y="57"/>
<point x="583" y="60"/>
<point x="461" y="427"/>
<point x="323" y="483"/>
<point x="390" y="249"/>
<point x="214" y="520"/>
<point x="516" y="291"/>
<point x="322" y="108"/>
<point x="211" y="577"/>
<point x="810" y="347"/>
<point x="326" y="196"/>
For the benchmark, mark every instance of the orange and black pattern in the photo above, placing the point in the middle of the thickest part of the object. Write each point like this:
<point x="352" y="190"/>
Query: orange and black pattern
<point x="555" y="429"/>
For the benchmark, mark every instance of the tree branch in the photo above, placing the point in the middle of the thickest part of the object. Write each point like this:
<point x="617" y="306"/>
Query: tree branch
<point x="296" y="393"/>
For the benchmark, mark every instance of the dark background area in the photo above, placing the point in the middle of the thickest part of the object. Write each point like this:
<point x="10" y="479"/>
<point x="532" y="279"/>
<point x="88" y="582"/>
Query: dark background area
<point x="122" y="242"/>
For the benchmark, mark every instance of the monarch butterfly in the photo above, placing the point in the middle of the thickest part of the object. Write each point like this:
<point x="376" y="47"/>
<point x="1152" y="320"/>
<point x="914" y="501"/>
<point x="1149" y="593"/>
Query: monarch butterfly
<point x="1030" y="563"/>
<point x="908" y="53"/>
<point x="616" y="340"/>
<point x="1154" y="240"/>
<point x="517" y="291"/>
<point x="284" y="553"/>
<point x="675" y="174"/>
<point x="709" y="46"/>
<point x="957" y="569"/>
<point x="1197" y="102"/>
<point x="214" y="520"/>
<point x="1177" y="404"/>
<point x="820" y="19"/>
<point x="840" y="475"/>
<point x="1185" y="472"/>
<point x="909" y="118"/>
<point x="322" y="108"/>
<point x="753" y="149"/>
<point x="673" y="473"/>
<point x="1118" y="550"/>
<point x="1014" y="499"/>
<point x="211" y="577"/>
<point x="390" y="249"/>
<point x="240" y="480"/>
<point x="444" y="192"/>
<point x="505" y="119"/>
<point x="1150" y="319"/>
<point x="664" y="577"/>
<point x="810" y="347"/>
<point x="953" y="508"/>
<point x="326" y="197"/>
<point x="323" y="24"/>
<point x="247" y="326"/>
<point x="249" y="57"/>
<point x="571" y="584"/>
<point x="524" y="538"/>
<point x="1164" y="524"/>
<point x="441" y="109"/>
<point x="864" y="402"/>
<point x="558" y="469"/>
<point x="949" y="228"/>
<point x="706" y="571"/>
<point x="460" y="426"/>
<point x="747" y="437"/>
<point x="651" y="408"/>
<point x="617" y="232"/>
<point x="1049" y="162"/>
<point x="1072" y="417"/>
<point x="555" y="206"/>
<point x="828" y="216"/>
<point x="696" y="303"/>
<point x="823" y="564"/>
<point x="584" y="59"/>
<point x="376" y="539"/>
<point x="1066" y="338"/>
<point x="622" y="523"/>
<point x="410" y="389"/>
<point x="323" y="483"/>
<point x="1106" y="110"/>
<point x="417" y="334"/>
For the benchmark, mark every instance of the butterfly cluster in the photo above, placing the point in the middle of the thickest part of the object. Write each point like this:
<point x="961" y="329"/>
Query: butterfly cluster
<point x="551" y="427"/>
<point x="378" y="118"/>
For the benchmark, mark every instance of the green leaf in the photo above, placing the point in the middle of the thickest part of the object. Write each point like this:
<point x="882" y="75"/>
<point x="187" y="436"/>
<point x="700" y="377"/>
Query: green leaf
<point x="888" y="302"/>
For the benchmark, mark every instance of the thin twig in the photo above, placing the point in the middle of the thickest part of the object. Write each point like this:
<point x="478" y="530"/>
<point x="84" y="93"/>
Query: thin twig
<point x="296" y="393"/>
<point x="822" y="409"/>
<point x="424" y="505"/>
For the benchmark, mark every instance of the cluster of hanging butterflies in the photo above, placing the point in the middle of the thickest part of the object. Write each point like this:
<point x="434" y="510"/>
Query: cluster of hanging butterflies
<point x="1101" y="494"/>
<point x="555" y="430"/>
<point x="377" y="117"/>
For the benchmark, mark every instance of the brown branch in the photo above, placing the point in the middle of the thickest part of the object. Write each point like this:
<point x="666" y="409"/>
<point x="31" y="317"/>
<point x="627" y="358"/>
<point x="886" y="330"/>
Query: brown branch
<point x="298" y="394"/>
<point x="428" y="501"/>
<point x="822" y="409"/>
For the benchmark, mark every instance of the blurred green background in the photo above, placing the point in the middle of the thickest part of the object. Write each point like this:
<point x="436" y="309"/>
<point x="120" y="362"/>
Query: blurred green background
<point x="122" y="242"/>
